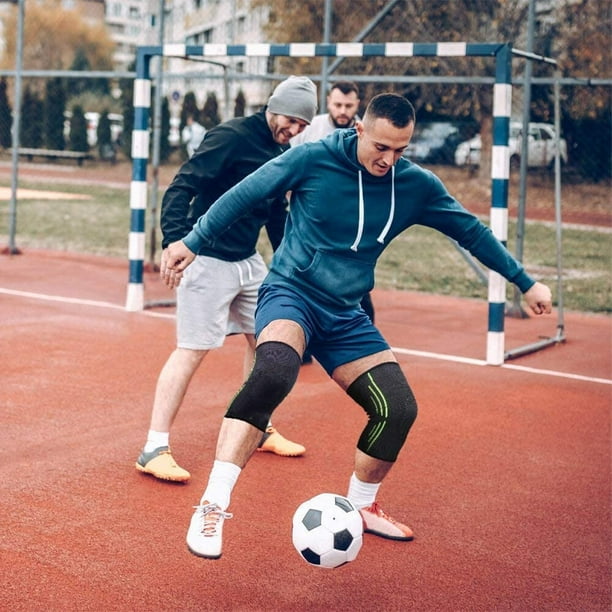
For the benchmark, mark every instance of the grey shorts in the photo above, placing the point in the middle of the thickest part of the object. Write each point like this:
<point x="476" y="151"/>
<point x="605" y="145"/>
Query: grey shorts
<point x="217" y="298"/>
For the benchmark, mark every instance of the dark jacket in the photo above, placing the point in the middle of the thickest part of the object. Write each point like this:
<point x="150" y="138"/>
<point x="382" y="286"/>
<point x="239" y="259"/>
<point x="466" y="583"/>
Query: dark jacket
<point x="227" y="154"/>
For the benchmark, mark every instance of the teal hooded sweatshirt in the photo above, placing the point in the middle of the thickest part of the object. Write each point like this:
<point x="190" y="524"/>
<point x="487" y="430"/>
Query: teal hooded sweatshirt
<point x="341" y="218"/>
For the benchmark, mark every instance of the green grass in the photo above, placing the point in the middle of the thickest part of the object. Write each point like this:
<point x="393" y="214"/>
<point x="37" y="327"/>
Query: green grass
<point x="419" y="260"/>
<point x="424" y="260"/>
<point x="98" y="225"/>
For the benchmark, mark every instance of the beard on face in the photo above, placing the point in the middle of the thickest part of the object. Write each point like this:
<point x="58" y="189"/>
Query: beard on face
<point x="342" y="122"/>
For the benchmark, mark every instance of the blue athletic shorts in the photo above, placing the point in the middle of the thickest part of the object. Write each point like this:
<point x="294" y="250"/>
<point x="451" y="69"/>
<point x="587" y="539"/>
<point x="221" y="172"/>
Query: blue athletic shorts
<point x="334" y="337"/>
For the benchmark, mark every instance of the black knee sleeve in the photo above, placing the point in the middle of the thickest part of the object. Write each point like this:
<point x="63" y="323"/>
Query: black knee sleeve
<point x="274" y="373"/>
<point x="384" y="393"/>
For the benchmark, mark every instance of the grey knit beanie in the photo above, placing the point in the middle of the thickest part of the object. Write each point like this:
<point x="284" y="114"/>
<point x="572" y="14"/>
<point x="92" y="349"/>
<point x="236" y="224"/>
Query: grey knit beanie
<point x="296" y="97"/>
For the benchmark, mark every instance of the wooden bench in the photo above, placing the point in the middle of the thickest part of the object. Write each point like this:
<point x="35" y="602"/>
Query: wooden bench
<point x="78" y="156"/>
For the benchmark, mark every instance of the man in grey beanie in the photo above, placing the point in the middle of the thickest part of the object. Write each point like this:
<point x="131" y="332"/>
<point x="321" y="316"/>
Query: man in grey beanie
<point x="217" y="296"/>
<point x="295" y="97"/>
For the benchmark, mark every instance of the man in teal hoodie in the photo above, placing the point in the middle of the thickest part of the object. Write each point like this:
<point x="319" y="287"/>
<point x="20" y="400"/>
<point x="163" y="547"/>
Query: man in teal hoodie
<point x="352" y="193"/>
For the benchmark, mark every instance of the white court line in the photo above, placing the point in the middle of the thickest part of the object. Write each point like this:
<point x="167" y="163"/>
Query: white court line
<point x="603" y="381"/>
<point x="400" y="351"/>
<point x="66" y="300"/>
<point x="507" y="366"/>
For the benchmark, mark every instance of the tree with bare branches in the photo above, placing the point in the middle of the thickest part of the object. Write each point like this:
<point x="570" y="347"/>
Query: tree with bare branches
<point x="54" y="37"/>
<point x="408" y="21"/>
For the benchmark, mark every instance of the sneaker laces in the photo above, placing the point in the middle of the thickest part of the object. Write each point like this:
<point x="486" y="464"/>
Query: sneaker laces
<point x="211" y="516"/>
<point x="378" y="511"/>
<point x="167" y="452"/>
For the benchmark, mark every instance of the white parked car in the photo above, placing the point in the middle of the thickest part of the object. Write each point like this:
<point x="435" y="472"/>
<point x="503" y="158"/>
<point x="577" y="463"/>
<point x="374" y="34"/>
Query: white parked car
<point x="174" y="137"/>
<point x="116" y="126"/>
<point x="540" y="149"/>
<point x="92" y="119"/>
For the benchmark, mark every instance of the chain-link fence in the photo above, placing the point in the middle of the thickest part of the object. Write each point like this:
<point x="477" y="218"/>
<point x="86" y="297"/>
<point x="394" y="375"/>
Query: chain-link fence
<point x="93" y="117"/>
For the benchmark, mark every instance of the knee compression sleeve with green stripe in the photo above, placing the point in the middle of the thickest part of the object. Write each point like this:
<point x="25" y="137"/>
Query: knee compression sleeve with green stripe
<point x="274" y="373"/>
<point x="384" y="393"/>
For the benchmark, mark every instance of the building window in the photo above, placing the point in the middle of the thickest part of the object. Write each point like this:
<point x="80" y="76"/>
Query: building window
<point x="114" y="10"/>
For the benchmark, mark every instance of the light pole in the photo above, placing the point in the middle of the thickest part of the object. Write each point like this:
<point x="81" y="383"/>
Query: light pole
<point x="156" y="140"/>
<point x="515" y="309"/>
<point x="12" y="249"/>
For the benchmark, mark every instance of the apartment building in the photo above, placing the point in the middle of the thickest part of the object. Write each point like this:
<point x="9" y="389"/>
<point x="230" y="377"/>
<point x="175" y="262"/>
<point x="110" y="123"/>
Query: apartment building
<point x="133" y="23"/>
<point x="130" y="26"/>
<point x="216" y="21"/>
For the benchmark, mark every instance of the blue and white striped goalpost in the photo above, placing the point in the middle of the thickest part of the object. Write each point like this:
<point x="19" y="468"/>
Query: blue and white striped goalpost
<point x="502" y="52"/>
<point x="500" y="173"/>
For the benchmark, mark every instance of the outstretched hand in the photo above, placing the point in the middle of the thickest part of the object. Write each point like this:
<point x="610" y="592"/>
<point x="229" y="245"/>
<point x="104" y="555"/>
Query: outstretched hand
<point x="539" y="299"/>
<point x="174" y="259"/>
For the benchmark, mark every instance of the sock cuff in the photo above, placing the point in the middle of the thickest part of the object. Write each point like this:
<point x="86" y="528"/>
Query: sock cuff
<point x="227" y="469"/>
<point x="362" y="494"/>
<point x="155" y="439"/>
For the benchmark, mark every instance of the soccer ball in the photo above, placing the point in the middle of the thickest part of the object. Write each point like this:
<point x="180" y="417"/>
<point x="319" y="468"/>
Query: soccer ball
<point x="327" y="530"/>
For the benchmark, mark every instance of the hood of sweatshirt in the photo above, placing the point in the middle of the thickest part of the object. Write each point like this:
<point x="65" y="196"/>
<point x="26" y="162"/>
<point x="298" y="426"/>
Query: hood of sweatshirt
<point x="342" y="145"/>
<point x="341" y="218"/>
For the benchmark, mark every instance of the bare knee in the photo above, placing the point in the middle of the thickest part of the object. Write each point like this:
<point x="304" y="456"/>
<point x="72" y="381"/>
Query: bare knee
<point x="189" y="358"/>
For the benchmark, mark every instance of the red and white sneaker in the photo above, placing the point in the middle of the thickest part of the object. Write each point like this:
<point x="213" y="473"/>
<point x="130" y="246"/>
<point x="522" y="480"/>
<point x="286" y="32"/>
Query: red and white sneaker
<point x="376" y="521"/>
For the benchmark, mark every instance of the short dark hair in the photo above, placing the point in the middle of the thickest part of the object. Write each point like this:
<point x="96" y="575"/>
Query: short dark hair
<point x="346" y="87"/>
<point x="393" y="107"/>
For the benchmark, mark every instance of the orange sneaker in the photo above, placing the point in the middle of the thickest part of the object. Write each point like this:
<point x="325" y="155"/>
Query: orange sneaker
<point x="161" y="464"/>
<point x="376" y="521"/>
<point x="273" y="442"/>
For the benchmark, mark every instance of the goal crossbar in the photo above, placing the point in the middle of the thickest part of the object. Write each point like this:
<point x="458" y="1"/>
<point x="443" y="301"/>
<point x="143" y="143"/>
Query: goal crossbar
<point x="500" y="167"/>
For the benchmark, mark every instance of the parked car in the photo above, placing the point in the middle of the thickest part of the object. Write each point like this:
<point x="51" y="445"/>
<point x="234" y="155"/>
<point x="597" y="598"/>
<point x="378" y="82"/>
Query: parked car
<point x="434" y="142"/>
<point x="540" y="147"/>
<point x="92" y="119"/>
<point x="116" y="125"/>
<point x="174" y="137"/>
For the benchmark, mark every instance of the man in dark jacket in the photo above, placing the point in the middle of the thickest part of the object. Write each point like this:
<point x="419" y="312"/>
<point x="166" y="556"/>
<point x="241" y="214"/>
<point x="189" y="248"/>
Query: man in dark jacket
<point x="218" y="294"/>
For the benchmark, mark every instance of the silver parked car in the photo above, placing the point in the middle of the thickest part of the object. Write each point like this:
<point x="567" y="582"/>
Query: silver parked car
<point x="540" y="148"/>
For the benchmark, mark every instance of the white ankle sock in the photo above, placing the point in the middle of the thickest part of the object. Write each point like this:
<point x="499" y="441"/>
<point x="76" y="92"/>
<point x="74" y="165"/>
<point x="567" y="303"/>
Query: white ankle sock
<point x="221" y="481"/>
<point x="155" y="439"/>
<point x="362" y="494"/>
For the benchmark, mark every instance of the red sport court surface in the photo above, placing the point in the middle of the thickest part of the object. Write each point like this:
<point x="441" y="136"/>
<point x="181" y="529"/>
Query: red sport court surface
<point x="505" y="478"/>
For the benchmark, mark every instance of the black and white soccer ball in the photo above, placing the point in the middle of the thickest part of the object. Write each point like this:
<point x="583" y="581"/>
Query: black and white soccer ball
<point x="327" y="530"/>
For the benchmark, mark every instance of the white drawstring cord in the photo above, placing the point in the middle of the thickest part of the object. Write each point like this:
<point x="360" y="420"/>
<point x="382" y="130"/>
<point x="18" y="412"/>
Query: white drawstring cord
<point x="249" y="271"/>
<point x="385" y="231"/>
<point x="361" y="215"/>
